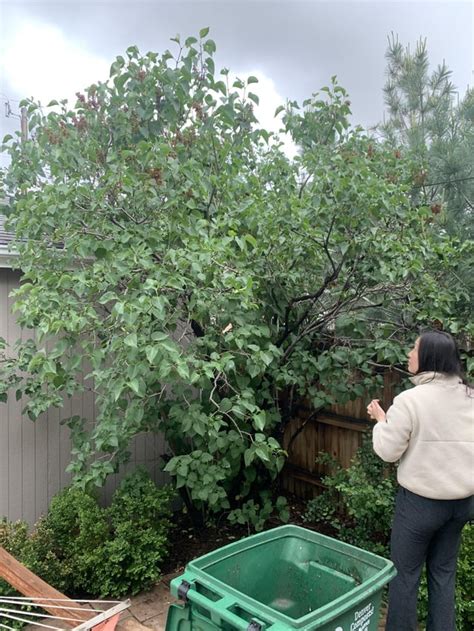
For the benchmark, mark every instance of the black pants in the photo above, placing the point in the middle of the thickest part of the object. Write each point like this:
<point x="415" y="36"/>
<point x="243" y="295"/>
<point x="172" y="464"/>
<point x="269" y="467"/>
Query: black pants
<point x="425" y="530"/>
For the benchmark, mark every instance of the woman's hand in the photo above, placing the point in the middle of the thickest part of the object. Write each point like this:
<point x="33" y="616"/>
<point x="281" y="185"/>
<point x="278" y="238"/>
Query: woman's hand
<point x="375" y="411"/>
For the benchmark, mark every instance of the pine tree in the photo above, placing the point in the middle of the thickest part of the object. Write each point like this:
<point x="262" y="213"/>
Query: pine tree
<point x="425" y="120"/>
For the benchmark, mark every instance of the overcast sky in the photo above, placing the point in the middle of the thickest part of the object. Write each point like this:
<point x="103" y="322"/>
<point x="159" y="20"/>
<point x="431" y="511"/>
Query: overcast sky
<point x="54" y="49"/>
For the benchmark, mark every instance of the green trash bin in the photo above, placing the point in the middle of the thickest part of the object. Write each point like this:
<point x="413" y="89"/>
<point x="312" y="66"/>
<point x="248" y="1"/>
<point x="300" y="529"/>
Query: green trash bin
<point x="281" y="579"/>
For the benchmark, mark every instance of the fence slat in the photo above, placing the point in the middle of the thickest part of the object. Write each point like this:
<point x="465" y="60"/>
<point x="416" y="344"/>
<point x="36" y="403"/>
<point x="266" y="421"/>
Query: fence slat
<point x="337" y="431"/>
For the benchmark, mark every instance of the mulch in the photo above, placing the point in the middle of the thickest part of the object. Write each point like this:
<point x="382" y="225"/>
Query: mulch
<point x="188" y="542"/>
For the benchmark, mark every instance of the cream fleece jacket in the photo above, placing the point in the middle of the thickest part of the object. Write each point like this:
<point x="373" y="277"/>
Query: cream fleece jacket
<point x="430" y="429"/>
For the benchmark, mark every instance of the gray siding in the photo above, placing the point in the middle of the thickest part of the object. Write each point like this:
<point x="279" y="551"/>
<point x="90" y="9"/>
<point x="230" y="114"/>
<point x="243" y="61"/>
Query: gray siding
<point x="34" y="456"/>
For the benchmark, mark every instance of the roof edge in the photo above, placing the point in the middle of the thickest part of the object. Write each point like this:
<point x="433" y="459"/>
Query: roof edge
<point x="7" y="257"/>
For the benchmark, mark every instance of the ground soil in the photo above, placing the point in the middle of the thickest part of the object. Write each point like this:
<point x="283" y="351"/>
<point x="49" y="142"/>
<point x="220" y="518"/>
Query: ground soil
<point x="188" y="542"/>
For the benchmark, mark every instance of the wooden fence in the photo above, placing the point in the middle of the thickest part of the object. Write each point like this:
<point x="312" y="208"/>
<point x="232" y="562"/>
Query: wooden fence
<point x="337" y="431"/>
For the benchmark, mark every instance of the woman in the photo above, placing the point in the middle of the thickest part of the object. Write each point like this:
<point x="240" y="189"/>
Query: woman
<point x="430" y="430"/>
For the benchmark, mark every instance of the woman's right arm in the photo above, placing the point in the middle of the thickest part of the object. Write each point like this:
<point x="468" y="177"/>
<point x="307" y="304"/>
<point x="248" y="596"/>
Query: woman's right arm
<point x="390" y="439"/>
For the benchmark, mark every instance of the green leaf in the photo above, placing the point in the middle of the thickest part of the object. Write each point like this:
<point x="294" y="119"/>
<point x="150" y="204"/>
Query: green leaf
<point x="279" y="109"/>
<point x="132" y="52"/>
<point x="117" y="390"/>
<point x="169" y="346"/>
<point x="209" y="46"/>
<point x="262" y="454"/>
<point x="221" y="86"/>
<point x="121" y="80"/>
<point x="251" y="239"/>
<point x="182" y="370"/>
<point x="151" y="352"/>
<point x="107" y="297"/>
<point x="266" y="357"/>
<point x="159" y="336"/>
<point x="249" y="456"/>
<point x="210" y="65"/>
<point x="253" y="97"/>
<point x="131" y="340"/>
<point x="116" y="66"/>
<point x="252" y="79"/>
<point x="344" y="247"/>
<point x="225" y="405"/>
<point x="203" y="32"/>
<point x="259" y="421"/>
<point x="134" y="385"/>
<point x="100" y="253"/>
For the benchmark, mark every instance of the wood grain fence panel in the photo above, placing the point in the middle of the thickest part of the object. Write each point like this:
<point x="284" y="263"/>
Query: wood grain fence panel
<point x="155" y="460"/>
<point x="337" y="431"/>
<point x="140" y="449"/>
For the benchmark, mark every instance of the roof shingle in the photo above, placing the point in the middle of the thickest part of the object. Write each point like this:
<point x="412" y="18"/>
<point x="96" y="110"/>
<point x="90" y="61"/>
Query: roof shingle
<point x="5" y="237"/>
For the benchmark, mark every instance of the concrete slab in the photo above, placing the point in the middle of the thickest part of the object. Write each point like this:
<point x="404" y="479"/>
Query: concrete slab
<point x="150" y="604"/>
<point x="158" y="623"/>
<point x="166" y="580"/>
<point x="131" y="624"/>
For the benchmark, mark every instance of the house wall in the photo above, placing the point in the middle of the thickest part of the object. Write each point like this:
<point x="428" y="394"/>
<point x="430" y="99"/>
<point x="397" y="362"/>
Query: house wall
<point x="34" y="455"/>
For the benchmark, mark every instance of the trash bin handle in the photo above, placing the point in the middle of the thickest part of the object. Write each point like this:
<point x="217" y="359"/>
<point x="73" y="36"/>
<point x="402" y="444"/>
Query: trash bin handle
<point x="232" y="618"/>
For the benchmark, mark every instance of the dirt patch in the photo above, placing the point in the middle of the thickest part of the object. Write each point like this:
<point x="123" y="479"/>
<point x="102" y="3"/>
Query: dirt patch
<point x="188" y="543"/>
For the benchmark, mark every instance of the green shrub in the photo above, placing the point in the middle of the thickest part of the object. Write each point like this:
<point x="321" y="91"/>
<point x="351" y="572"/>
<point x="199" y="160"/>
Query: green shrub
<point x="72" y="532"/>
<point x="76" y="520"/>
<point x="34" y="552"/>
<point x="139" y="519"/>
<point x="139" y="499"/>
<point x="357" y="502"/>
<point x="255" y="514"/>
<point x="129" y="562"/>
<point x="14" y="538"/>
<point x="79" y="547"/>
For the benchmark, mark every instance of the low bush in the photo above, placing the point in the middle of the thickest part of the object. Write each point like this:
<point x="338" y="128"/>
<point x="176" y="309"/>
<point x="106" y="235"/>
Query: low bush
<point x="357" y="503"/>
<point x="255" y="514"/>
<point x="34" y="552"/>
<point x="14" y="538"/>
<point x="139" y="518"/>
<point x="81" y="548"/>
<point x="71" y="533"/>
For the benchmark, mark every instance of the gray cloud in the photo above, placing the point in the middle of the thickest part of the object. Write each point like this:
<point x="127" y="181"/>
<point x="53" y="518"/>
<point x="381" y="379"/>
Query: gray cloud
<point x="297" y="44"/>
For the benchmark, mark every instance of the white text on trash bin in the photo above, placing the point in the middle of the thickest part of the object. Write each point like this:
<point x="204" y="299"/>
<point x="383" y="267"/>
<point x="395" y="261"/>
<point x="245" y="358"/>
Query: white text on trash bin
<point x="362" y="618"/>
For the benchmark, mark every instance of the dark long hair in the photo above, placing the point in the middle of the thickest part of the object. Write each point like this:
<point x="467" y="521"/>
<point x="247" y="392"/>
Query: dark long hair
<point x="438" y="352"/>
